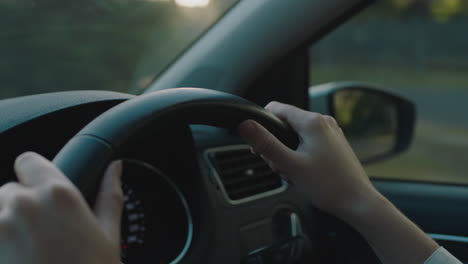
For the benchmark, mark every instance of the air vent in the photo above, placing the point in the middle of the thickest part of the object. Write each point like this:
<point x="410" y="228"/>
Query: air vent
<point x="243" y="175"/>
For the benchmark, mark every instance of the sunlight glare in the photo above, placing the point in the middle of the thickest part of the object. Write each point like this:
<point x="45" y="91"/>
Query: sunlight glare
<point x="193" y="3"/>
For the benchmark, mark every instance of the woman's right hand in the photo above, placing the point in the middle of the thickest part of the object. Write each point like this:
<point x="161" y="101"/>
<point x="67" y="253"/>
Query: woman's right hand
<point x="324" y="167"/>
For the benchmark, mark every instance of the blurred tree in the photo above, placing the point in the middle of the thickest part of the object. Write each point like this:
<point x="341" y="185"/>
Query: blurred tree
<point x="444" y="10"/>
<point x="438" y="10"/>
<point x="50" y="45"/>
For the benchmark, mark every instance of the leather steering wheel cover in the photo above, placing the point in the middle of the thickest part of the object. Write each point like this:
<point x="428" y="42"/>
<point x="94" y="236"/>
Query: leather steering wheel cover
<point x="86" y="155"/>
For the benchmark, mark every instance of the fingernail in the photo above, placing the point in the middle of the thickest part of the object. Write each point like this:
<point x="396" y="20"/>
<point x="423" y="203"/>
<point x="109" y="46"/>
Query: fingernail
<point x="289" y="181"/>
<point x="249" y="124"/>
<point x="271" y="103"/>
<point x="244" y="128"/>
<point x="253" y="151"/>
<point x="24" y="158"/>
<point x="286" y="179"/>
<point x="115" y="168"/>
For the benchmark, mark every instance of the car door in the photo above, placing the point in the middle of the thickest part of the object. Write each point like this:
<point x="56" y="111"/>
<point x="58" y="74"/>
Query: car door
<point x="415" y="49"/>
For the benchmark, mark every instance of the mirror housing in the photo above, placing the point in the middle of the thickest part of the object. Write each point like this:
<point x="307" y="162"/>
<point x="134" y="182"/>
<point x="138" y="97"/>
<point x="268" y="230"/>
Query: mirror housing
<point x="377" y="124"/>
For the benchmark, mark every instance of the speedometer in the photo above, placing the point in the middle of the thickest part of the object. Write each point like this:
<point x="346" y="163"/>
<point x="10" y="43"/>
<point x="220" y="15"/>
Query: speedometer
<point x="156" y="221"/>
<point x="133" y="221"/>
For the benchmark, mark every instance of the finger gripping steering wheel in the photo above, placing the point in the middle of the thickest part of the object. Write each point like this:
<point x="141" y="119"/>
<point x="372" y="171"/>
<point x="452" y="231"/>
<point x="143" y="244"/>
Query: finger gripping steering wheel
<point x="85" y="156"/>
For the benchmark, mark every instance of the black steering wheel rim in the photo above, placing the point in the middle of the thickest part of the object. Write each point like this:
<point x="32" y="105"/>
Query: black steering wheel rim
<point x="85" y="156"/>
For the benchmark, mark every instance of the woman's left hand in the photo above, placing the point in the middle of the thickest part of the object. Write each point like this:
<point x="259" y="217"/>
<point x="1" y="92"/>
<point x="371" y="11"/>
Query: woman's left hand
<point x="45" y="220"/>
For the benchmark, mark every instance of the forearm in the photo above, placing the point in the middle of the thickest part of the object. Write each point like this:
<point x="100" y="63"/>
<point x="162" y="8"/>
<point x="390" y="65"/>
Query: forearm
<point x="394" y="238"/>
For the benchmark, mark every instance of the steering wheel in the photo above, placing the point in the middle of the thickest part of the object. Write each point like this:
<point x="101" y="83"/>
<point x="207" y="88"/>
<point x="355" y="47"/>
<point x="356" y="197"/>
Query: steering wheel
<point x="84" y="158"/>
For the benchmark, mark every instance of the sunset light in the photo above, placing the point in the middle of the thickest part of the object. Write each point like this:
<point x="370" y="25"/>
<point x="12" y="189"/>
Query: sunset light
<point x="193" y="3"/>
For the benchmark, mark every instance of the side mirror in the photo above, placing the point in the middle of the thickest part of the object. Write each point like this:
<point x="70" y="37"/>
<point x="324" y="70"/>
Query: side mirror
<point x="377" y="124"/>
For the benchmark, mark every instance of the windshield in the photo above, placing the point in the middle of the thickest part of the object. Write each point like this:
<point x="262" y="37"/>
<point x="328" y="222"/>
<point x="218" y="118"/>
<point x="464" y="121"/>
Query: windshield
<point x="118" y="45"/>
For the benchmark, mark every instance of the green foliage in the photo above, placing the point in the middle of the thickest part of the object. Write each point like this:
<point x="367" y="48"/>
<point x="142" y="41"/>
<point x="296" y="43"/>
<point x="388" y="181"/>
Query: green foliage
<point x="46" y="50"/>
<point x="57" y="45"/>
<point x="437" y="10"/>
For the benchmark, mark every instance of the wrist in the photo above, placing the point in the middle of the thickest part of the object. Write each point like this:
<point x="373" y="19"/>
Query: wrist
<point x="363" y="207"/>
<point x="390" y="233"/>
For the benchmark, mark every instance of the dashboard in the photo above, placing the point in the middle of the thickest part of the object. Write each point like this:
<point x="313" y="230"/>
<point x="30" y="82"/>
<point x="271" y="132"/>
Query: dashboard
<point x="192" y="193"/>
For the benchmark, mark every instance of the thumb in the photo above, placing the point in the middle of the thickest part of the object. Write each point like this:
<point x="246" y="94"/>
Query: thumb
<point x="266" y="144"/>
<point x="109" y="202"/>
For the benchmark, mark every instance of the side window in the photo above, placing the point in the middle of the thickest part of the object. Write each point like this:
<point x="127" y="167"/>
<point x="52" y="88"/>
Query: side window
<point x="418" y="49"/>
